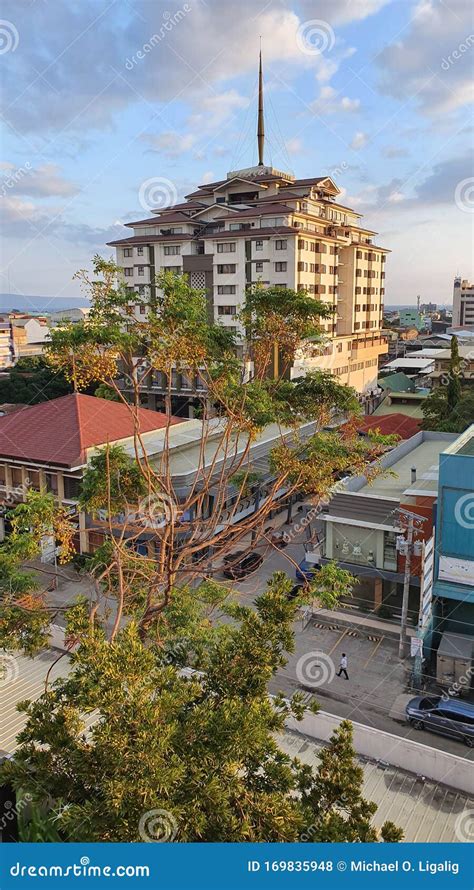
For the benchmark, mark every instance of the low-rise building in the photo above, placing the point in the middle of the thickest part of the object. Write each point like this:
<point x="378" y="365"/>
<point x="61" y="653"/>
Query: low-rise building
<point x="453" y="587"/>
<point x="48" y="447"/>
<point x="364" y="519"/>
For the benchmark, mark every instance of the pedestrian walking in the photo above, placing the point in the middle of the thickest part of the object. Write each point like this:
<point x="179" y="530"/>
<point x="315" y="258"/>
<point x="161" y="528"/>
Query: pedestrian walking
<point x="343" y="666"/>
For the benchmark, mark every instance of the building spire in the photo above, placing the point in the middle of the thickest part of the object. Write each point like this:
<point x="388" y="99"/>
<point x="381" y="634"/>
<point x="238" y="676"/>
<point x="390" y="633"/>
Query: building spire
<point x="260" y="125"/>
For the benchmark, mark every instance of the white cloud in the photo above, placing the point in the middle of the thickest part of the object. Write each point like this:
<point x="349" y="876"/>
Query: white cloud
<point x="330" y="101"/>
<point x="359" y="140"/>
<point x="432" y="62"/>
<point x="42" y="182"/>
<point x="170" y="144"/>
<point x="294" y="146"/>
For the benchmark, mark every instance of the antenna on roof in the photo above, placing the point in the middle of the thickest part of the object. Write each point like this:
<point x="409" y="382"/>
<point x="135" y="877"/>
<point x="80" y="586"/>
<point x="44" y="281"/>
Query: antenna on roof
<point x="260" y="125"/>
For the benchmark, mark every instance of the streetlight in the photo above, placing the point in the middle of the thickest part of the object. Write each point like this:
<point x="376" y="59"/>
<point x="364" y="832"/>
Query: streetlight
<point x="407" y="547"/>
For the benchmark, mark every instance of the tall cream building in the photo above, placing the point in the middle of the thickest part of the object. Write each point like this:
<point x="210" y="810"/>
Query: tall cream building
<point x="262" y="224"/>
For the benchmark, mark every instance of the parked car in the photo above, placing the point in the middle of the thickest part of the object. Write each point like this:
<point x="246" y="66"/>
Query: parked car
<point x="233" y="557"/>
<point x="448" y="716"/>
<point x="245" y="567"/>
<point x="306" y="571"/>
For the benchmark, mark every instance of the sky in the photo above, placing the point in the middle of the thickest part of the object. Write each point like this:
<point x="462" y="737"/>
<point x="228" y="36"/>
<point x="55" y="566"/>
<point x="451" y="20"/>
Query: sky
<point x="115" y="107"/>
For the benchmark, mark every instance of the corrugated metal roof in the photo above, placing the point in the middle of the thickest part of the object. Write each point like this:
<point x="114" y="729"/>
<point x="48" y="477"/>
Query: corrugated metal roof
<point x="426" y="810"/>
<point x="23" y="678"/>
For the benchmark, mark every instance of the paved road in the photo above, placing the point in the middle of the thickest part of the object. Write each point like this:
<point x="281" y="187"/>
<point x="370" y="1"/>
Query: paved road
<point x="377" y="677"/>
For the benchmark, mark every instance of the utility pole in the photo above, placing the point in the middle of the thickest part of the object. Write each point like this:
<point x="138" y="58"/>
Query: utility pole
<point x="406" y="590"/>
<point x="408" y="548"/>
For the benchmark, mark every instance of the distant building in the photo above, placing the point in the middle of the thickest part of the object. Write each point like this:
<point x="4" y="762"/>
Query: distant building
<point x="463" y="302"/>
<point x="260" y="224"/>
<point x="428" y="307"/>
<point x="73" y="315"/>
<point x="29" y="334"/>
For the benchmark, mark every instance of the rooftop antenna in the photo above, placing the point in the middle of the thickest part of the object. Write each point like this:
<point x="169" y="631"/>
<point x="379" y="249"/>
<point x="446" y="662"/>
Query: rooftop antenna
<point x="260" y="125"/>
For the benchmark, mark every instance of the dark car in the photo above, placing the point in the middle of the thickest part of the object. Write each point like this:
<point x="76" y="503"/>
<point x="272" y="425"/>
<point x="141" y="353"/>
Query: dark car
<point x="245" y="567"/>
<point x="448" y="716"/>
<point x="233" y="557"/>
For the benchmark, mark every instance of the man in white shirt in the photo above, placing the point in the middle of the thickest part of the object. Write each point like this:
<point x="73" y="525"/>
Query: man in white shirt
<point x="343" y="666"/>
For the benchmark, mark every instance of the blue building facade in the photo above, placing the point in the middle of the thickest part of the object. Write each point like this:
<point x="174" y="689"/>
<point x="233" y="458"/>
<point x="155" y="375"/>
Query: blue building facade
<point x="453" y="577"/>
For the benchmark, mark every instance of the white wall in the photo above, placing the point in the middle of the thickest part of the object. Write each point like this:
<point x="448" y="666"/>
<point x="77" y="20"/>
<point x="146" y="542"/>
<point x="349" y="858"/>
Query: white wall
<point x="448" y="769"/>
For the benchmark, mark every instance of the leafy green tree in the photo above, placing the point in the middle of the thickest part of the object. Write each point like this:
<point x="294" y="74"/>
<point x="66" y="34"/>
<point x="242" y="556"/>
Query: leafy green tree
<point x="199" y="747"/>
<point x="32" y="380"/>
<point x="453" y="390"/>
<point x="106" y="392"/>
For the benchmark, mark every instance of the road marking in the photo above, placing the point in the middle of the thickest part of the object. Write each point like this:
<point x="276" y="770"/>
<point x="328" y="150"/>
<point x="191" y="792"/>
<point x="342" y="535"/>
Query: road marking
<point x="339" y="640"/>
<point x="373" y="653"/>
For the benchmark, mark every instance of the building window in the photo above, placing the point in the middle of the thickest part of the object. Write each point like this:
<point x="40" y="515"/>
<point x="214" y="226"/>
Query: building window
<point x="226" y="269"/>
<point x="172" y="249"/>
<point x="141" y="270"/>
<point x="128" y="251"/>
<point x="280" y="267"/>
<point x="280" y="245"/>
<point x="51" y="482"/>
<point x="128" y="272"/>
<point x="226" y="310"/>
<point x="142" y="309"/>
<point x="259" y="245"/>
<point x="139" y="251"/>
<point x="259" y="267"/>
<point x="226" y="289"/>
<point x="228" y="247"/>
<point x="71" y="488"/>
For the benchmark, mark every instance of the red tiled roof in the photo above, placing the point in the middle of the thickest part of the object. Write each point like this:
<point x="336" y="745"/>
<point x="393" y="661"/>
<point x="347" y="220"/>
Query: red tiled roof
<point x="61" y="430"/>
<point x="398" y="423"/>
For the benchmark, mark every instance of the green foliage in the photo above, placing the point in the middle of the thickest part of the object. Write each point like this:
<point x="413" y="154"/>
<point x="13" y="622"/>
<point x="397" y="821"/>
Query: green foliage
<point x="332" y="800"/>
<point x="111" y="481"/>
<point x="106" y="392"/>
<point x="31" y="381"/>
<point x="438" y="415"/>
<point x="201" y="746"/>
<point x="330" y="584"/>
<point x="453" y="390"/>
